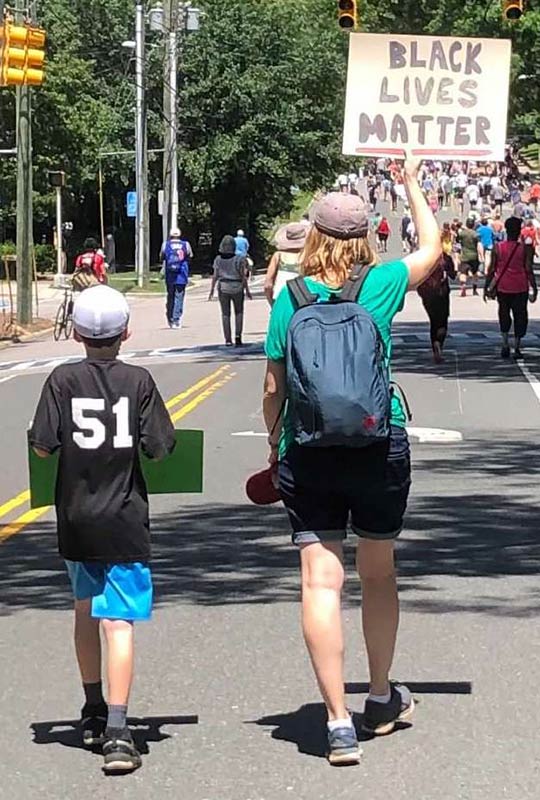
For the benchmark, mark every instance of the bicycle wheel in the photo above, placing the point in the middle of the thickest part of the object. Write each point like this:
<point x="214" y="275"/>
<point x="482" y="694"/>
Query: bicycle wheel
<point x="60" y="321"/>
<point x="68" y="326"/>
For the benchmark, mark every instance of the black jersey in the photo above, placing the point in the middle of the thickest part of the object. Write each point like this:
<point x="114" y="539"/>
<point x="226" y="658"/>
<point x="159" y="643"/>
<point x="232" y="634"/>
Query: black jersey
<point x="99" y="413"/>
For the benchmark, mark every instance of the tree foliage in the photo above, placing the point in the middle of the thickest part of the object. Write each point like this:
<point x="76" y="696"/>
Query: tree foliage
<point x="260" y="103"/>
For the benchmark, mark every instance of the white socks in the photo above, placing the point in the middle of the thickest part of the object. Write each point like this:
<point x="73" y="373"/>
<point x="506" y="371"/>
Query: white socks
<point x="334" y="724"/>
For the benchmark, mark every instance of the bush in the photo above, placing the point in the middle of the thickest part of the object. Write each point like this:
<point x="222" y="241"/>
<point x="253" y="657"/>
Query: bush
<point x="7" y="249"/>
<point x="45" y="257"/>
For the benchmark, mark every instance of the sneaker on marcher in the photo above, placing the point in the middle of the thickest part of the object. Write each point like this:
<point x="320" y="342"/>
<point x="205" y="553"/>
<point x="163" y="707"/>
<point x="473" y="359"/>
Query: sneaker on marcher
<point x="93" y="723"/>
<point x="119" y="752"/>
<point x="381" y="718"/>
<point x="343" y="747"/>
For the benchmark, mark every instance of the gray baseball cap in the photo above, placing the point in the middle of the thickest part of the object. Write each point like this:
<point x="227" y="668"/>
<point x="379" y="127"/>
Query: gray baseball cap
<point x="343" y="216"/>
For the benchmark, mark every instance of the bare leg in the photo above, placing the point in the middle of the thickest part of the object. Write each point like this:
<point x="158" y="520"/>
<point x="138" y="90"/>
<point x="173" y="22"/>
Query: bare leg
<point x="87" y="642"/>
<point x="322" y="581"/>
<point x="119" y="635"/>
<point x="380" y="608"/>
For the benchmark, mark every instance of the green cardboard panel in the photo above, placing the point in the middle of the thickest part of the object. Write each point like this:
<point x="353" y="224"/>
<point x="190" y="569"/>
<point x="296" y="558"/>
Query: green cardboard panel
<point x="179" y="473"/>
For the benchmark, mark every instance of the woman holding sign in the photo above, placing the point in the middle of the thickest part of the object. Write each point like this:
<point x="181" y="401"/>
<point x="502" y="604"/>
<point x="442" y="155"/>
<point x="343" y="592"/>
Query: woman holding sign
<point x="342" y="456"/>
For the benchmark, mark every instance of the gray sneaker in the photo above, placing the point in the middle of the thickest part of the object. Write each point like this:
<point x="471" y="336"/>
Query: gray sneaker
<point x="381" y="718"/>
<point x="343" y="747"/>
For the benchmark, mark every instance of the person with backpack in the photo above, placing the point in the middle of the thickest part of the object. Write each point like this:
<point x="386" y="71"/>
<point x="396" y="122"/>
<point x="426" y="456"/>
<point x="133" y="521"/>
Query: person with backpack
<point x="231" y="277"/>
<point x="337" y="432"/>
<point x="90" y="267"/>
<point x="176" y="254"/>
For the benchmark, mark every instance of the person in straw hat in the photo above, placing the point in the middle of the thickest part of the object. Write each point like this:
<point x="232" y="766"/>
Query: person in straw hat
<point x="283" y="266"/>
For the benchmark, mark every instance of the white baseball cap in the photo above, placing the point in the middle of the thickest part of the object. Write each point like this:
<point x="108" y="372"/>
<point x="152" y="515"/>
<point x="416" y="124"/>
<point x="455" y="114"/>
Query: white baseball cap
<point x="100" y="312"/>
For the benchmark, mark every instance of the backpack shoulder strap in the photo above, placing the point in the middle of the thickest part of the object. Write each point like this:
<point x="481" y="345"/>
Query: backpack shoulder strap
<point x="352" y="288"/>
<point x="300" y="292"/>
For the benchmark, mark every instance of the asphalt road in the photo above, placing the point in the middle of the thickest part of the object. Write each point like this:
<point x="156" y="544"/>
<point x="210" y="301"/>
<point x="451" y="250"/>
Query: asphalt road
<point x="225" y="706"/>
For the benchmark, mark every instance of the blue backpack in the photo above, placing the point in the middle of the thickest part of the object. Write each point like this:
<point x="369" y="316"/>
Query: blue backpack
<point x="176" y="259"/>
<point x="337" y="374"/>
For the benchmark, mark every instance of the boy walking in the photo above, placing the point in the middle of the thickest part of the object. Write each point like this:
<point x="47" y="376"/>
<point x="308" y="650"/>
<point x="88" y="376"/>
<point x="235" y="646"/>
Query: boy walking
<point x="98" y="413"/>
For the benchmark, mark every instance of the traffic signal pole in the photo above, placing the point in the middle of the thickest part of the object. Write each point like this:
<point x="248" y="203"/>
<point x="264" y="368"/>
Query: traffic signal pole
<point x="24" y="197"/>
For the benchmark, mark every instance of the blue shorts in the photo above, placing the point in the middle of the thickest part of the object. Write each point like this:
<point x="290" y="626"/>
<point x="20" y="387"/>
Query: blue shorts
<point x="117" y="591"/>
<point x="324" y="488"/>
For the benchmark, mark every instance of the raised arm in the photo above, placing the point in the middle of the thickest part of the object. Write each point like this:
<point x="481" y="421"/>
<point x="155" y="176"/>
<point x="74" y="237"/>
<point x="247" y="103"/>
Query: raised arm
<point x="270" y="279"/>
<point x="422" y="262"/>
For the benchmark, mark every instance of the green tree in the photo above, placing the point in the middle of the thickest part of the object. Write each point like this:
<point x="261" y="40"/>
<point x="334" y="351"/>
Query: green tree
<point x="261" y="104"/>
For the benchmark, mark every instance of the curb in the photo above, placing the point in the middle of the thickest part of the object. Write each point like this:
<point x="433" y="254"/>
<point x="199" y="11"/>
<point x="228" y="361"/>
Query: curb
<point x="30" y="337"/>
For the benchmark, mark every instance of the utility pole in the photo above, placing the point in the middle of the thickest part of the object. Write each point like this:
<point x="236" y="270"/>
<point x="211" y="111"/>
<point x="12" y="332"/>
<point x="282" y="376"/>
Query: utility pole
<point x="167" y="8"/>
<point x="142" y="235"/>
<point x="25" y="247"/>
<point x="171" y="24"/>
<point x="173" y="79"/>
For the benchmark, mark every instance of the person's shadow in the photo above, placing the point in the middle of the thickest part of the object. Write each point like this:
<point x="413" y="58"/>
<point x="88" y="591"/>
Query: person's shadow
<point x="144" y="729"/>
<point x="306" y="728"/>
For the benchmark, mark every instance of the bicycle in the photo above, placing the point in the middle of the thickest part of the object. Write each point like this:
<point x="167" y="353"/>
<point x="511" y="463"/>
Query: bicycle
<point x="64" y="316"/>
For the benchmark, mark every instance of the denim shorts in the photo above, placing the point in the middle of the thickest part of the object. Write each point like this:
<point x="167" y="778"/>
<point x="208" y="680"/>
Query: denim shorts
<point x="117" y="591"/>
<point x="324" y="488"/>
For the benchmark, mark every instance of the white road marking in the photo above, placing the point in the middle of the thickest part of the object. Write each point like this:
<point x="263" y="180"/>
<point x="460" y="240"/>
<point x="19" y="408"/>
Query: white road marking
<point x="9" y="378"/>
<point x="23" y="366"/>
<point x="435" y="435"/>
<point x="532" y="379"/>
<point x="423" y="435"/>
<point x="458" y="382"/>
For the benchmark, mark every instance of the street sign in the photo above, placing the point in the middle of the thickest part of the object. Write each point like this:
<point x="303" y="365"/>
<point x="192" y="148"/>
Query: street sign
<point x="431" y="95"/>
<point x="131" y="204"/>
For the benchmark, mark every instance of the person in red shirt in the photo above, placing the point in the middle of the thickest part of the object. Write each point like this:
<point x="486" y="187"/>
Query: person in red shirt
<point x="511" y="273"/>
<point x="529" y="234"/>
<point x="91" y="260"/>
<point x="534" y="195"/>
<point x="383" y="232"/>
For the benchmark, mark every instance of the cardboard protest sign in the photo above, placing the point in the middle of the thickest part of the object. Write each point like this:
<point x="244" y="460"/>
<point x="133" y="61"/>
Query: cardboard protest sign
<point x="179" y="473"/>
<point x="439" y="97"/>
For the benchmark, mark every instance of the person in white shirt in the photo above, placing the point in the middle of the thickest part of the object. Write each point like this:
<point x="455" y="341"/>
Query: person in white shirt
<point x="473" y="194"/>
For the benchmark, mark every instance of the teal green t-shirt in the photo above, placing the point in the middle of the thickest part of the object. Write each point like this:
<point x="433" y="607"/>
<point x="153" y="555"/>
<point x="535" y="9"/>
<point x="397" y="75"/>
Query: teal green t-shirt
<point x="383" y="296"/>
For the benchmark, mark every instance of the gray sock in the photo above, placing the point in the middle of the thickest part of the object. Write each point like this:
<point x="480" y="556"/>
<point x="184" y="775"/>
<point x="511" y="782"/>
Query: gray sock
<point x="93" y="693"/>
<point x="117" y="717"/>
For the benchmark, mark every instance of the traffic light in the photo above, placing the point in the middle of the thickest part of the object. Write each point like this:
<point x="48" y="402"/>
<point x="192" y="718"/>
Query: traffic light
<point x="22" y="54"/>
<point x="347" y="15"/>
<point x="512" y="9"/>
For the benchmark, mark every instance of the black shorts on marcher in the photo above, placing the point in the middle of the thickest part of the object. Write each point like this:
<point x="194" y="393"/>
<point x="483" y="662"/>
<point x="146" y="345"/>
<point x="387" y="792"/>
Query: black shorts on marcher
<point x="323" y="488"/>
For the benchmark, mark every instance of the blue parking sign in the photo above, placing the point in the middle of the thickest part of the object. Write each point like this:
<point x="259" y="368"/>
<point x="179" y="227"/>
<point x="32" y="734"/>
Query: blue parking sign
<point x="131" y="204"/>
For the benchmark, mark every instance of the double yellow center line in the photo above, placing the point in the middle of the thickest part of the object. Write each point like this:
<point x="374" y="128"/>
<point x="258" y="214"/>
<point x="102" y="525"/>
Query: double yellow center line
<point x="198" y="393"/>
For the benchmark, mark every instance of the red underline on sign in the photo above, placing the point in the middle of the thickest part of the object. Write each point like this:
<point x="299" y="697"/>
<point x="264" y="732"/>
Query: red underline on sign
<point x="390" y="151"/>
<point x="398" y="151"/>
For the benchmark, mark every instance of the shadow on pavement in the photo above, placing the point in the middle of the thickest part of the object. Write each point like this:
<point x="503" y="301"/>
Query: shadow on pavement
<point x="145" y="730"/>
<point x="419" y="687"/>
<point x="478" y="353"/>
<point x="306" y="728"/>
<point x="473" y="514"/>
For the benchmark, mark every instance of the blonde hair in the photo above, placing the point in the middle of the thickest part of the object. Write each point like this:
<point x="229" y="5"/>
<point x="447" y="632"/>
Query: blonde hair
<point x="332" y="260"/>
